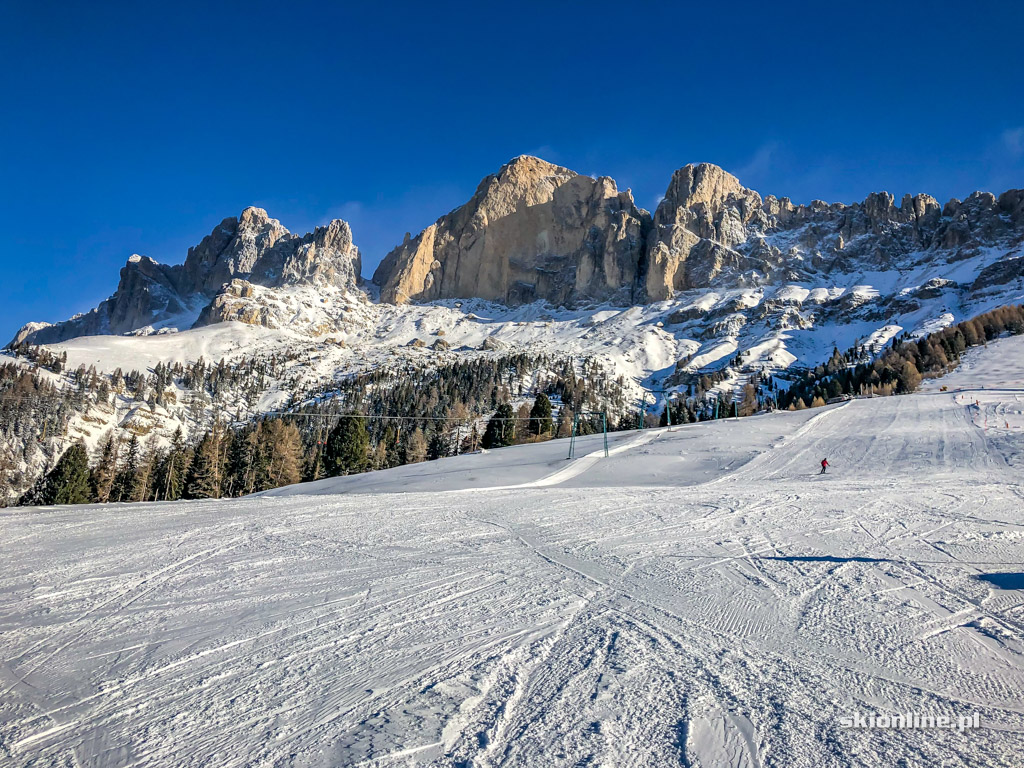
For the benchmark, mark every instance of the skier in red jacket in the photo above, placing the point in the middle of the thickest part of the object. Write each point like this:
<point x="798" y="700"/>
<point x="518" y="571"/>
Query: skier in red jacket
<point x="824" y="465"/>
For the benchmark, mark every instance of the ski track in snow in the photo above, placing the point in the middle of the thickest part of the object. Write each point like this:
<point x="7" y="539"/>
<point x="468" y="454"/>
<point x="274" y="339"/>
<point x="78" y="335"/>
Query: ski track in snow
<point x="701" y="598"/>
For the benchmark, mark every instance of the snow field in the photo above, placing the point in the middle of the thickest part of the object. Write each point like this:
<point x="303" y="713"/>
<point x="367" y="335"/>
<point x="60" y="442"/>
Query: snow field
<point x="701" y="597"/>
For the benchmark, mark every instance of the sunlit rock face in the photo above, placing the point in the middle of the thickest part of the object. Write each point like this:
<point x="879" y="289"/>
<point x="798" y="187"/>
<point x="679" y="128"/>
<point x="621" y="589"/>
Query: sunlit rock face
<point x="532" y="231"/>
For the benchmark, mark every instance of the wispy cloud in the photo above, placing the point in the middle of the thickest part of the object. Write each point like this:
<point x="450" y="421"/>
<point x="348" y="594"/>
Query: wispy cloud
<point x="1002" y="162"/>
<point x="1012" y="140"/>
<point x="544" y="152"/>
<point x="759" y="167"/>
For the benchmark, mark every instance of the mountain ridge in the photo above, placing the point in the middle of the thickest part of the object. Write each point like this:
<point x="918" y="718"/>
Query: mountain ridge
<point x="253" y="249"/>
<point x="535" y="231"/>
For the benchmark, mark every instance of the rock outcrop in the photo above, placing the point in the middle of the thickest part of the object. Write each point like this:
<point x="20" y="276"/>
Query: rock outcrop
<point x="256" y="248"/>
<point x="705" y="213"/>
<point x="709" y="230"/>
<point x="253" y="249"/>
<point x="532" y="231"/>
<point x="147" y="294"/>
<point x="537" y="231"/>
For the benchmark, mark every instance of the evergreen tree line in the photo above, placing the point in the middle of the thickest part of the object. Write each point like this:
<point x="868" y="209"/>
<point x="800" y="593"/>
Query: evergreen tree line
<point x="223" y="462"/>
<point x="391" y="418"/>
<point x="418" y="413"/>
<point x="35" y="413"/>
<point x="399" y="415"/>
<point x="32" y="412"/>
<point x="901" y="367"/>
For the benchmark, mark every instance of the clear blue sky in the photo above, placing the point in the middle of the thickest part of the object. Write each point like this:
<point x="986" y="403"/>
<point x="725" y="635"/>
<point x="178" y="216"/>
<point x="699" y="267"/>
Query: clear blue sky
<point x="136" y="128"/>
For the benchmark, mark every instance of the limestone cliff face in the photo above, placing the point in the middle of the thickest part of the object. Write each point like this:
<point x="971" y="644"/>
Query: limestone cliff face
<point x="709" y="230"/>
<point x="537" y="231"/>
<point x="256" y="248"/>
<point x="532" y="231"/>
<point x="253" y="248"/>
<point x="705" y="213"/>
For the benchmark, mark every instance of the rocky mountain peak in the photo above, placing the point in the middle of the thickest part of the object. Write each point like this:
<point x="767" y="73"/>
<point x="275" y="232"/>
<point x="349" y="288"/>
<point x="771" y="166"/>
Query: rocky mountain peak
<point x="538" y="231"/>
<point x="253" y="247"/>
<point x="533" y="230"/>
<point x="327" y="256"/>
<point x="705" y="212"/>
<point x="256" y="218"/>
<point x="706" y="185"/>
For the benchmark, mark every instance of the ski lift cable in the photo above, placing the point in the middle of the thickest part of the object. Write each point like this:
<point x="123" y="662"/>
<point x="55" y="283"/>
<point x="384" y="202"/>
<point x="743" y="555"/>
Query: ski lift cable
<point x="392" y="417"/>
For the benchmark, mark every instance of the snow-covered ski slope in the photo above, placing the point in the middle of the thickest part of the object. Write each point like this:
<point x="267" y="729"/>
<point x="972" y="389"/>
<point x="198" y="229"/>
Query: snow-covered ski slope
<point x="702" y="597"/>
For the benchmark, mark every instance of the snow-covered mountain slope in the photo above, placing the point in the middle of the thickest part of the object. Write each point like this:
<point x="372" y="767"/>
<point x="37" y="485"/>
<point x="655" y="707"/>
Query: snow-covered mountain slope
<point x="655" y="348"/>
<point x="701" y="597"/>
<point x="652" y="346"/>
<point x="718" y="281"/>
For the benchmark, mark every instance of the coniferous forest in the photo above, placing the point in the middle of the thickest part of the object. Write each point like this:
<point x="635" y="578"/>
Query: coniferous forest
<point x="388" y="417"/>
<point x="382" y="418"/>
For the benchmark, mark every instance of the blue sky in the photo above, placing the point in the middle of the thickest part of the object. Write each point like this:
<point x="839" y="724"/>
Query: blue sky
<point x="138" y="127"/>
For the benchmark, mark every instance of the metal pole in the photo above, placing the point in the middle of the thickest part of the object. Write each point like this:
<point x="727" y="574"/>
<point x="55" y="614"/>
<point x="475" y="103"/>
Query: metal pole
<point x="572" y="436"/>
<point x="604" y="427"/>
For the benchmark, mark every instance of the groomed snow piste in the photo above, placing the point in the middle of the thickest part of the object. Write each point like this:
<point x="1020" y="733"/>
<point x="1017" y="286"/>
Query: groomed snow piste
<point x="702" y="597"/>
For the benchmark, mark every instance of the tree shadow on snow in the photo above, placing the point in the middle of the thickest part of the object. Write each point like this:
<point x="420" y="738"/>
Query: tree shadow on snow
<point x="826" y="559"/>
<point x="1004" y="580"/>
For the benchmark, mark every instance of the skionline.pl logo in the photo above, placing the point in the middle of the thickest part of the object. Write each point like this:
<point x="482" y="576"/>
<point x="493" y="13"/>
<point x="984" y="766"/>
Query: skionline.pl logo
<point x="909" y="720"/>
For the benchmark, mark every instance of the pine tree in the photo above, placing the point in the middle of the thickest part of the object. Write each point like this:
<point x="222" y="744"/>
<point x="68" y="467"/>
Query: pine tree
<point x="123" y="488"/>
<point x="749" y="404"/>
<point x="169" y="483"/>
<point x="105" y="471"/>
<point x="348" y="447"/>
<point x="314" y="468"/>
<point x="68" y="481"/>
<point x="540" y="416"/>
<point x="246" y="463"/>
<point x="438" y="446"/>
<point x="909" y="377"/>
<point x="205" y="475"/>
<point x="284" y="451"/>
<point x="564" y="422"/>
<point x="6" y="470"/>
<point x="142" y="488"/>
<point x="521" y="425"/>
<point x="499" y="428"/>
<point x="416" y="447"/>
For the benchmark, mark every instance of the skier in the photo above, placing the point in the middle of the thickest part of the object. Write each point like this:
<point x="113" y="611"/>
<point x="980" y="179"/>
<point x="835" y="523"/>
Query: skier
<point x="824" y="465"/>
